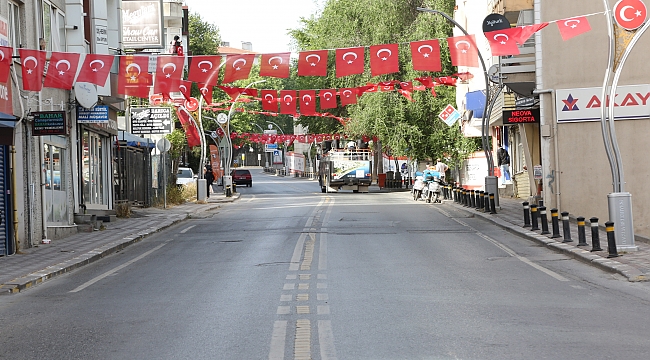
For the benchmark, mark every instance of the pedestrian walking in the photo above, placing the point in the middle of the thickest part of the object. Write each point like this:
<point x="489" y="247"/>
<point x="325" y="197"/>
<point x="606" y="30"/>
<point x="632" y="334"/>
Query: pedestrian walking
<point x="209" y="179"/>
<point x="441" y="168"/>
<point x="503" y="160"/>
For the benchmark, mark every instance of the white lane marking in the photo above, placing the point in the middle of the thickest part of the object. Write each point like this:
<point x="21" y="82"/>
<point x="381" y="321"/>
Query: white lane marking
<point x="297" y="253"/>
<point x="187" y="228"/>
<point x="514" y="254"/>
<point x="251" y="199"/>
<point x="326" y="340"/>
<point x="116" y="269"/>
<point x="284" y="310"/>
<point x="282" y="207"/>
<point x="323" y="310"/>
<point x="278" y="339"/>
<point x="322" y="251"/>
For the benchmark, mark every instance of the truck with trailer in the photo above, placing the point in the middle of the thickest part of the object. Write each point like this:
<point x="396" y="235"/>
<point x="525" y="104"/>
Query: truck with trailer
<point x="348" y="168"/>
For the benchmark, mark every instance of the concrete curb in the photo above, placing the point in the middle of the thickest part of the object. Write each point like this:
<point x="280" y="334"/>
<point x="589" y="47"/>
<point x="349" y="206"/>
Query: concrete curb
<point x="22" y="283"/>
<point x="631" y="273"/>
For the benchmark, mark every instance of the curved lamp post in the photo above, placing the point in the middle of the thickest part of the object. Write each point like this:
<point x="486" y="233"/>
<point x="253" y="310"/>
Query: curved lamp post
<point x="203" y="145"/>
<point x="491" y="182"/>
<point x="283" y="143"/>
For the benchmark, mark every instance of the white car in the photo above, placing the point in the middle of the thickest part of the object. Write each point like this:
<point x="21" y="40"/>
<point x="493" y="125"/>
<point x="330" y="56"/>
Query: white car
<point x="184" y="176"/>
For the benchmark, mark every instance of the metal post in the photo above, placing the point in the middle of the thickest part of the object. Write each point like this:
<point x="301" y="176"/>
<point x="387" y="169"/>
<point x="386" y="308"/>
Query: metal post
<point x="486" y="201"/>
<point x="544" y="220"/>
<point x="565" y="227"/>
<point x="582" y="238"/>
<point x="611" y="240"/>
<point x="555" y="223"/>
<point x="526" y="214"/>
<point x="472" y="199"/>
<point x="493" y="209"/>
<point x="533" y="217"/>
<point x="595" y="238"/>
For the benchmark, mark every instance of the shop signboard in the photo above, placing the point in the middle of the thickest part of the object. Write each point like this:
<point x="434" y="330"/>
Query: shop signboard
<point x="528" y="116"/>
<point x="152" y="120"/>
<point x="96" y="114"/>
<point x="49" y="123"/>
<point x="142" y="24"/>
<point x="584" y="104"/>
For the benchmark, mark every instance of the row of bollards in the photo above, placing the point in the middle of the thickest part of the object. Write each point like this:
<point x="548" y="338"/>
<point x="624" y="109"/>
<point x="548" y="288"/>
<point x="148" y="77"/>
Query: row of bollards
<point x="535" y="215"/>
<point x="479" y="200"/>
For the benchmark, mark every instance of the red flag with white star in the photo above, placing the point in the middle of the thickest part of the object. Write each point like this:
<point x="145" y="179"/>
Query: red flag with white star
<point x="307" y="102"/>
<point x="62" y="70"/>
<point x="275" y="65"/>
<point x="528" y="31"/>
<point x="426" y="55"/>
<point x="185" y="88"/>
<point x="238" y="67"/>
<point x="95" y="69"/>
<point x="133" y="78"/>
<point x="349" y="61"/>
<point x="312" y="63"/>
<point x="269" y="100"/>
<point x="191" y="132"/>
<point x="327" y="99"/>
<point x="33" y="64"/>
<point x="573" y="27"/>
<point x="169" y="72"/>
<point x="504" y="42"/>
<point x="384" y="59"/>
<point x="463" y="51"/>
<point x="204" y="69"/>
<point x="348" y="96"/>
<point x="206" y="92"/>
<point x="288" y="102"/>
<point x="5" y="62"/>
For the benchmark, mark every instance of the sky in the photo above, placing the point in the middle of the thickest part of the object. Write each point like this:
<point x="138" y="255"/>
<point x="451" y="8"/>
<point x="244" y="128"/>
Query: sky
<point x="261" y="22"/>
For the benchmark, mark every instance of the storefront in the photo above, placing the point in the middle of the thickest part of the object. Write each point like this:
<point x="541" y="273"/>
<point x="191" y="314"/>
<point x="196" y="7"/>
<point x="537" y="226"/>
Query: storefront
<point x="96" y="165"/>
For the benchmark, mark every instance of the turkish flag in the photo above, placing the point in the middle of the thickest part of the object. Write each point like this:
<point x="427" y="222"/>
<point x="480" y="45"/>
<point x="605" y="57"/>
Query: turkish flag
<point x="384" y="59"/>
<point x="95" y="69"/>
<point x="426" y="55"/>
<point x="504" y="42"/>
<point x="269" y="100"/>
<point x="406" y="85"/>
<point x="275" y="65"/>
<point x="385" y="86"/>
<point x="348" y="96"/>
<point x="204" y="69"/>
<point x="288" y="102"/>
<point x="367" y="88"/>
<point x="349" y="61"/>
<point x="191" y="132"/>
<point x="206" y="92"/>
<point x="327" y="99"/>
<point x="169" y="72"/>
<point x="238" y="67"/>
<point x="33" y="64"/>
<point x="185" y="88"/>
<point x="233" y="92"/>
<point x="308" y="102"/>
<point x="427" y="81"/>
<point x="446" y="80"/>
<point x="312" y="63"/>
<point x="463" y="51"/>
<point x="62" y="70"/>
<point x="528" y="31"/>
<point x="573" y="27"/>
<point x="5" y="62"/>
<point x="133" y="78"/>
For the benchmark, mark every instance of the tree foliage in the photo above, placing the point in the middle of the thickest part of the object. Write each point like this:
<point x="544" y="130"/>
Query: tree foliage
<point x="203" y="37"/>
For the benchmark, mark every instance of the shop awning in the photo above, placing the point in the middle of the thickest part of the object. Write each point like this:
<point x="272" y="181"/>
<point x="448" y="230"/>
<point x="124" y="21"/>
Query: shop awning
<point x="475" y="101"/>
<point x="135" y="141"/>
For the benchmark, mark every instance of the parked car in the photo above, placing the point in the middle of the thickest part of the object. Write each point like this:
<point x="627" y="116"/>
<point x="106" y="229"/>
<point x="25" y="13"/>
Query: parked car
<point x="185" y="175"/>
<point x="242" y="177"/>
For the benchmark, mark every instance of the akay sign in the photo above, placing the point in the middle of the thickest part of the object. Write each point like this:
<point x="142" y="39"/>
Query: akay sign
<point x="576" y="105"/>
<point x="142" y="24"/>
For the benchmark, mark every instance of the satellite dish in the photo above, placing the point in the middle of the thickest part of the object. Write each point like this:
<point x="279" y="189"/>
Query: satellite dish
<point x="222" y="118"/>
<point x="493" y="73"/>
<point x="86" y="94"/>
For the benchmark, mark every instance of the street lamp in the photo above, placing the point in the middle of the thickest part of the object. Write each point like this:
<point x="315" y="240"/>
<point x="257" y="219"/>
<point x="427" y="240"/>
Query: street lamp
<point x="491" y="181"/>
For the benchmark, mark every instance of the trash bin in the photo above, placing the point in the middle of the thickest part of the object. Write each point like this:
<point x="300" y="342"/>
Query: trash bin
<point x="381" y="180"/>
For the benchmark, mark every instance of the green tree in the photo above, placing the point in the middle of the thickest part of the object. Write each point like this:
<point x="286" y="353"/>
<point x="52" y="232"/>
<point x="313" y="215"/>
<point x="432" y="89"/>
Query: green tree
<point x="204" y="37"/>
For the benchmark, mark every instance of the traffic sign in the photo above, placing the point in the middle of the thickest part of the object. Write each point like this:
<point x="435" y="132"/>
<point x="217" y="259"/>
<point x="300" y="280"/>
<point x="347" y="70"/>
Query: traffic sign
<point x="222" y="118"/>
<point x="153" y="120"/>
<point x="163" y="145"/>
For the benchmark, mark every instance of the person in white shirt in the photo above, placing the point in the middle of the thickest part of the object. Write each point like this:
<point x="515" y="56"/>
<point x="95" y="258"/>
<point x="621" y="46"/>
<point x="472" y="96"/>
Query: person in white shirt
<point x="441" y="168"/>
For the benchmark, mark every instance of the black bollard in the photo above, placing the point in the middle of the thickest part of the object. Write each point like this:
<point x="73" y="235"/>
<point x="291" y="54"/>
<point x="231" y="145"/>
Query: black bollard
<point x="540" y="203"/>
<point x="472" y="198"/>
<point x="478" y="200"/>
<point x="595" y="238"/>
<point x="455" y="194"/>
<point x="466" y="198"/>
<point x="493" y="208"/>
<point x="611" y="240"/>
<point x="486" y="202"/>
<point x="565" y="227"/>
<point x="555" y="223"/>
<point x="526" y="214"/>
<point x="544" y="220"/>
<point x="582" y="238"/>
<point x="533" y="217"/>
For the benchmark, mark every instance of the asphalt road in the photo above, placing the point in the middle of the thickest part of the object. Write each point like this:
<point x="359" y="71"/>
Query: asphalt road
<point x="287" y="272"/>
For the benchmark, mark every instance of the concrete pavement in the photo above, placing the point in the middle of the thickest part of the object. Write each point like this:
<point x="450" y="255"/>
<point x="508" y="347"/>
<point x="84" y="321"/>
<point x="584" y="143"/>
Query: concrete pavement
<point x="42" y="262"/>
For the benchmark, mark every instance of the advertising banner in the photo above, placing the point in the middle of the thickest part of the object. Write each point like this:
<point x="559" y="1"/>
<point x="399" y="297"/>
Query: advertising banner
<point x="215" y="162"/>
<point x="142" y="24"/>
<point x="49" y="123"/>
<point x="576" y="105"/>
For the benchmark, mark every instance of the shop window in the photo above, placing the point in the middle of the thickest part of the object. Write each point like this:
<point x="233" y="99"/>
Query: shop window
<point x="15" y="34"/>
<point x="93" y="172"/>
<point x="54" y="173"/>
<point x="51" y="27"/>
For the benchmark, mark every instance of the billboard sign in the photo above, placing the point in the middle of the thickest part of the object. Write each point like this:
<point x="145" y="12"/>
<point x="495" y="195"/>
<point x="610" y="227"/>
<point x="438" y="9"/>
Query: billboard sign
<point x="528" y="116"/>
<point x="49" y="123"/>
<point x="96" y="114"/>
<point x="142" y="24"/>
<point x="584" y="104"/>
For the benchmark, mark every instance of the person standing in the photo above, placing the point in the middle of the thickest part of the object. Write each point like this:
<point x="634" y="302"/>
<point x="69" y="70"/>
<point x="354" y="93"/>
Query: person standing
<point x="503" y="160"/>
<point x="209" y="178"/>
<point x="441" y="168"/>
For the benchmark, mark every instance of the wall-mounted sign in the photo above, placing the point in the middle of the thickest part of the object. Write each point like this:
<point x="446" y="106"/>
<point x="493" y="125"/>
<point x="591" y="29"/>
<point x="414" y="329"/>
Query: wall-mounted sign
<point x="584" y="104"/>
<point x="153" y="120"/>
<point x="529" y="116"/>
<point x="142" y="24"/>
<point x="49" y="123"/>
<point x="96" y="114"/>
<point x="101" y="34"/>
<point x="537" y="172"/>
<point x="449" y="115"/>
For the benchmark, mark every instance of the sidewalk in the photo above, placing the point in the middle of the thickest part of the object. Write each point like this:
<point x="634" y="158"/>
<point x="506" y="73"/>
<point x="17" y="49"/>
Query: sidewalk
<point x="37" y="264"/>
<point x="635" y="266"/>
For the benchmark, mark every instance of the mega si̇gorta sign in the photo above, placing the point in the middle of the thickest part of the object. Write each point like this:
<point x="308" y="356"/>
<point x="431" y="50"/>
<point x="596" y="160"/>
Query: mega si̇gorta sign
<point x="576" y="105"/>
<point x="142" y="24"/>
